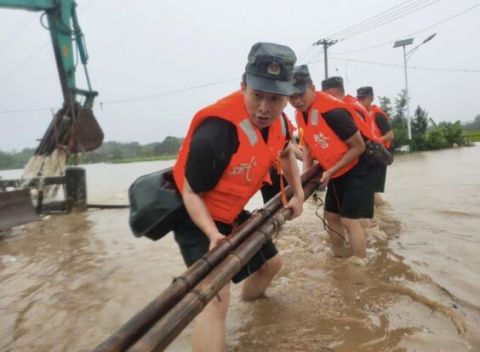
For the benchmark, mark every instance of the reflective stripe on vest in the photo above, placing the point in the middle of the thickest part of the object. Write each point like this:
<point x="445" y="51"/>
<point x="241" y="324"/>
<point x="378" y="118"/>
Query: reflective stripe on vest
<point x="284" y="127"/>
<point x="247" y="127"/>
<point x="314" y="117"/>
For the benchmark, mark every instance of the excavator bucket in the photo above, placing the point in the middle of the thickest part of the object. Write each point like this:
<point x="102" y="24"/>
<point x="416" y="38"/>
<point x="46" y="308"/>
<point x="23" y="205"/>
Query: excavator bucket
<point x="16" y="208"/>
<point x="74" y="128"/>
<point x="87" y="133"/>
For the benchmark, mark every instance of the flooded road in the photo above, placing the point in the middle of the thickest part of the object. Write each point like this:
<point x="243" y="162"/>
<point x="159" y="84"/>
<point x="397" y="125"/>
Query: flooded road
<point x="67" y="282"/>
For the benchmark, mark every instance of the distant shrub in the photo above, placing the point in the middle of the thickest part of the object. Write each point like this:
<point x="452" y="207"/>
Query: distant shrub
<point x="435" y="139"/>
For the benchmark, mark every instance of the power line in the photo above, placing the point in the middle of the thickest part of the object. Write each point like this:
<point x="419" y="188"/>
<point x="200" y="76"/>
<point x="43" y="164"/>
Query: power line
<point x="132" y="99"/>
<point x="375" y="63"/>
<point x="25" y="62"/>
<point x="23" y="110"/>
<point x="385" y="17"/>
<point x="423" y="68"/>
<point x="153" y="96"/>
<point x="389" y="20"/>
<point x="356" y="25"/>
<point x="419" y="5"/>
<point x="306" y="53"/>
<point x="411" y="34"/>
<point x="372" y="19"/>
<point x="12" y="37"/>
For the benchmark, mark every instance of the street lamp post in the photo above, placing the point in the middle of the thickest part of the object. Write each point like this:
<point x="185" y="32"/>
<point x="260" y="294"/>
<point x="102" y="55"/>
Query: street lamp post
<point x="406" y="56"/>
<point x="403" y="44"/>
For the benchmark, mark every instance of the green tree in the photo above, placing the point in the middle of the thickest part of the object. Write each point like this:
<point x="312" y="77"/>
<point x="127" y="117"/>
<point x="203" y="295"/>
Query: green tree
<point x="435" y="138"/>
<point x="474" y="125"/>
<point x="117" y="153"/>
<point x="419" y="129"/>
<point x="6" y="161"/>
<point x="171" y="145"/>
<point x="157" y="148"/>
<point x="386" y="105"/>
<point x="399" y="121"/>
<point x="446" y="135"/>
<point x="453" y="133"/>
<point x="15" y="160"/>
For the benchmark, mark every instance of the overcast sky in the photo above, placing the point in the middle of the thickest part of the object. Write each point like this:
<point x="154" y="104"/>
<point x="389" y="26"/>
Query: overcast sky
<point x="148" y="47"/>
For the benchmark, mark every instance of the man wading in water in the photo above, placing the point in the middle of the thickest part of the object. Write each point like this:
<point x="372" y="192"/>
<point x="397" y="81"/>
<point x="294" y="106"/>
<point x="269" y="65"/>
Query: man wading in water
<point x="224" y="160"/>
<point x="363" y="121"/>
<point x="334" y="141"/>
<point x="382" y="129"/>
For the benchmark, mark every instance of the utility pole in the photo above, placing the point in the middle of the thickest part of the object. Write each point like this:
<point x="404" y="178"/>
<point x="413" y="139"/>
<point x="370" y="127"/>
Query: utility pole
<point x="326" y="44"/>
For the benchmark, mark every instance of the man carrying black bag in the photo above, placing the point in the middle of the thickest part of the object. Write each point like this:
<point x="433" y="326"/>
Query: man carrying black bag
<point x="381" y="128"/>
<point x="331" y="138"/>
<point x="375" y="153"/>
<point x="224" y="160"/>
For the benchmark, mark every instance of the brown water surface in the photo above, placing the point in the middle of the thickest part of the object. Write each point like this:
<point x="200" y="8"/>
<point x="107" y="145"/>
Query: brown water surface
<point x="69" y="281"/>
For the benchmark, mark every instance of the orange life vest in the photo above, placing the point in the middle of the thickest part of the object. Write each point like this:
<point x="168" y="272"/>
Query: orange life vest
<point x="248" y="167"/>
<point x="362" y="118"/>
<point x="373" y="112"/>
<point x="326" y="147"/>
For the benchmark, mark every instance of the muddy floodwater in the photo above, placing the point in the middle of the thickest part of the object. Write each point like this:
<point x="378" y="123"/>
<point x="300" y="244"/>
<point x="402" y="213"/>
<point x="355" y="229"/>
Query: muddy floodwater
<point x="68" y="281"/>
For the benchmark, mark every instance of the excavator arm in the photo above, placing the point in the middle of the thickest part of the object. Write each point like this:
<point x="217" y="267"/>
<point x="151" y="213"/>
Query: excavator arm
<point x="74" y="128"/>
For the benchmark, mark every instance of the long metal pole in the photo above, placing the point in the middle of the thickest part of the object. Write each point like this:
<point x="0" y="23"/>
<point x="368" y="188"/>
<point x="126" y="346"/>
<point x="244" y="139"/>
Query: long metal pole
<point x="139" y="324"/>
<point x="325" y="56"/>
<point x="409" y="128"/>
<point x="160" y="335"/>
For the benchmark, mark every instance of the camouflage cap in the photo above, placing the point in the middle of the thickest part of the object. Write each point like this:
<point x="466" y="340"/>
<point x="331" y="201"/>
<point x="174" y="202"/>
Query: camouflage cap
<point x="332" y="82"/>
<point x="270" y="68"/>
<point x="363" y="92"/>
<point x="302" y="78"/>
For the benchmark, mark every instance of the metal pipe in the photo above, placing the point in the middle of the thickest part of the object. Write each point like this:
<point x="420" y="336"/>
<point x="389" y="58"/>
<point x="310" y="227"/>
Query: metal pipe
<point x="143" y="320"/>
<point x="108" y="206"/>
<point x="169" y="327"/>
<point x="325" y="58"/>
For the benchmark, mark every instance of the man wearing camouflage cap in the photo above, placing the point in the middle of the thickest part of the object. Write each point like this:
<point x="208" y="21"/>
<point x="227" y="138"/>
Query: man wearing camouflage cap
<point x="380" y="125"/>
<point x="362" y="118"/>
<point x="223" y="162"/>
<point x="334" y="86"/>
<point x="331" y="137"/>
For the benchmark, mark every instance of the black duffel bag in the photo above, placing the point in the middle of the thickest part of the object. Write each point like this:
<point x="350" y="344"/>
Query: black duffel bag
<point x="156" y="206"/>
<point x="376" y="154"/>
